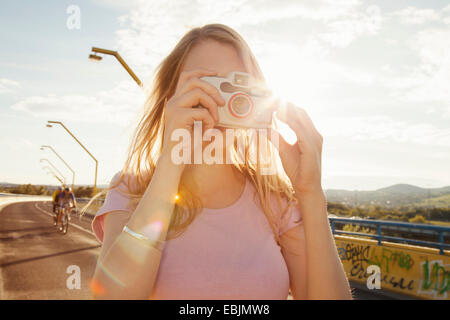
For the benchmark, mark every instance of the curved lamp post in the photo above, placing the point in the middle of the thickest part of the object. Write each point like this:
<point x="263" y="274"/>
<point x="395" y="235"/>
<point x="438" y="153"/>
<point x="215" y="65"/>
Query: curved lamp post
<point x="56" y="169"/>
<point x="50" y="125"/>
<point x="95" y="57"/>
<point x="53" y="174"/>
<point x="60" y="158"/>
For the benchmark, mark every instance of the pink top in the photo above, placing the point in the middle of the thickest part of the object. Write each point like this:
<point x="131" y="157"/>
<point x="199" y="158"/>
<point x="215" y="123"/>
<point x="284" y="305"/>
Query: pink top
<point x="228" y="253"/>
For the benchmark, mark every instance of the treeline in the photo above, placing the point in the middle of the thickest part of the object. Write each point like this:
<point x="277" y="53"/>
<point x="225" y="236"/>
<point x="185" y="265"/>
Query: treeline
<point x="402" y="213"/>
<point x="83" y="192"/>
<point x="79" y="192"/>
<point x="27" y="189"/>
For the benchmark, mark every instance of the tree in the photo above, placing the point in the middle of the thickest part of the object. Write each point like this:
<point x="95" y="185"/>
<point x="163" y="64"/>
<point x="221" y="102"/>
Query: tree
<point x="418" y="219"/>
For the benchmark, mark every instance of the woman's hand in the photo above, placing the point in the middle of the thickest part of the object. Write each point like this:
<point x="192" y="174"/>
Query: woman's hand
<point x="302" y="161"/>
<point x="180" y="111"/>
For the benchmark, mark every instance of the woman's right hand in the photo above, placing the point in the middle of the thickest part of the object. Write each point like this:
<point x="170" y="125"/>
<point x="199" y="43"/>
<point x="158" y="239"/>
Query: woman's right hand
<point x="180" y="110"/>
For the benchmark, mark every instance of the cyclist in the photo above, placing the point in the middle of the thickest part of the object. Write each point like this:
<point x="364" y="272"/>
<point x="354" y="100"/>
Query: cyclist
<point x="66" y="199"/>
<point x="55" y="200"/>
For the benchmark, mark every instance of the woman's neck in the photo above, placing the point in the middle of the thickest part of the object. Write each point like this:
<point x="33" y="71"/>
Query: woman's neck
<point x="217" y="185"/>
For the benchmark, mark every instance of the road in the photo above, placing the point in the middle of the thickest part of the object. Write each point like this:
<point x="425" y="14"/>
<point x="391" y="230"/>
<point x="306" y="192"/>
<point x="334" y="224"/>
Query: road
<point x="34" y="256"/>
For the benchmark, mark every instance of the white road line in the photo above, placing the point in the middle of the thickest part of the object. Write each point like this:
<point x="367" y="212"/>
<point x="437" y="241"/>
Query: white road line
<point x="72" y="224"/>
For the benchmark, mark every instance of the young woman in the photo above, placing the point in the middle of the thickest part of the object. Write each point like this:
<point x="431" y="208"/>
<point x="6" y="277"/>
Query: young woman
<point x="214" y="231"/>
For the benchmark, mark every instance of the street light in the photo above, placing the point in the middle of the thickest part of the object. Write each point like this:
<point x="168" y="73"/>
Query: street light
<point x="95" y="57"/>
<point x="56" y="169"/>
<point x="60" y="158"/>
<point x="49" y="125"/>
<point x="53" y="174"/>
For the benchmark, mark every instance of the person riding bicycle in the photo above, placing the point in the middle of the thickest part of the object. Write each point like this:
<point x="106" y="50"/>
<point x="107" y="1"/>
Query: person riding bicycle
<point x="55" y="198"/>
<point x="55" y="202"/>
<point x="66" y="199"/>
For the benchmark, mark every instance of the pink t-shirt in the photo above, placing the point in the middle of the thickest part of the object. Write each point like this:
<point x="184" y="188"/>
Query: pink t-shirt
<point x="228" y="253"/>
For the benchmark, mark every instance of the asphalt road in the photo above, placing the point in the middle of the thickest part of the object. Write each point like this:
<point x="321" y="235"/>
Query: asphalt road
<point x="34" y="256"/>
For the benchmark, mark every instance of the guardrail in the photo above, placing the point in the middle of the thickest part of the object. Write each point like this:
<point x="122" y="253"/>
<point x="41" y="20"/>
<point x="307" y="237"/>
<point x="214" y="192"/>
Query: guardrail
<point x="440" y="231"/>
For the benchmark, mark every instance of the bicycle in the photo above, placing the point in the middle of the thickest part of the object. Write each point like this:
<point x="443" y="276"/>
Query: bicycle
<point x="55" y="215"/>
<point x="64" y="219"/>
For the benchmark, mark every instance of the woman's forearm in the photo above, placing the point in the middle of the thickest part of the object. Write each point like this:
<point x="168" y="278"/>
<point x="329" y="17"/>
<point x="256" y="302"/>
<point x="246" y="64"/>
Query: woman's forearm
<point x="130" y="266"/>
<point x="325" y="273"/>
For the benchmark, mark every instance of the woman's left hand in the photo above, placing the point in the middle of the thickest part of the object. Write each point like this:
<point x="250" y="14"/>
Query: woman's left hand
<point x="302" y="161"/>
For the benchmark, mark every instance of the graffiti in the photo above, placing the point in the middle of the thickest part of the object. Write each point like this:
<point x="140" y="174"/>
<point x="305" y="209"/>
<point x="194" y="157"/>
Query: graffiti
<point x="398" y="282"/>
<point x="354" y="253"/>
<point x="435" y="279"/>
<point x="390" y="258"/>
<point x="358" y="271"/>
<point x="410" y="271"/>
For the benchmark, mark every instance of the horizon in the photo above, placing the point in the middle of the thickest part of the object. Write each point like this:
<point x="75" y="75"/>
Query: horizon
<point x="102" y="186"/>
<point x="372" y="76"/>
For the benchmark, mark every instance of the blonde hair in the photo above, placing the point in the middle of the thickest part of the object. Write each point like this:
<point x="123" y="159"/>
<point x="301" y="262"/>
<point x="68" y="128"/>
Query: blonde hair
<point x="147" y="141"/>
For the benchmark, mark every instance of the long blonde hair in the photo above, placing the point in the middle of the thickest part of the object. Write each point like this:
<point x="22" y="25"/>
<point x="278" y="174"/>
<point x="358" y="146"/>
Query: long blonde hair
<point x="147" y="141"/>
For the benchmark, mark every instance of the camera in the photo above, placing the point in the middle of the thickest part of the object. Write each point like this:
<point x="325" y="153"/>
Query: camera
<point x="248" y="105"/>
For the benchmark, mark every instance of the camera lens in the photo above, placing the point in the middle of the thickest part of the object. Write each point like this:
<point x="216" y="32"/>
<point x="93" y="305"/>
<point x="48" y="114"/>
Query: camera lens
<point x="241" y="106"/>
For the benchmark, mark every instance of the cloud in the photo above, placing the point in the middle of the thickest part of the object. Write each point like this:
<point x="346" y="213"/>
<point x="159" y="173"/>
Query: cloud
<point x="353" y="25"/>
<point x="426" y="82"/>
<point x="115" y="106"/>
<point x="383" y="128"/>
<point x="8" y="86"/>
<point x="18" y="144"/>
<point x="413" y="15"/>
<point x="152" y="28"/>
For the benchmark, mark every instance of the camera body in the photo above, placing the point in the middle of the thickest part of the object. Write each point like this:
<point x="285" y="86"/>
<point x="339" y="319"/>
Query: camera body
<point x="247" y="104"/>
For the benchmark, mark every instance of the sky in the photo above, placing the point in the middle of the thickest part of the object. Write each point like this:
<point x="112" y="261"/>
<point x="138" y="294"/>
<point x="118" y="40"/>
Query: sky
<point x="374" y="76"/>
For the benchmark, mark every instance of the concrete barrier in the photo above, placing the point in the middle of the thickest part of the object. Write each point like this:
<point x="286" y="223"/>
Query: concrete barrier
<point x="8" y="198"/>
<point x="410" y="270"/>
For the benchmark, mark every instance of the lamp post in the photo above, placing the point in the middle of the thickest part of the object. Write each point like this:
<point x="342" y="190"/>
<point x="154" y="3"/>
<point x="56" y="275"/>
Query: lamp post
<point x="49" y="125"/>
<point x="56" y="169"/>
<point x="53" y="174"/>
<point x="95" y="57"/>
<point x="60" y="158"/>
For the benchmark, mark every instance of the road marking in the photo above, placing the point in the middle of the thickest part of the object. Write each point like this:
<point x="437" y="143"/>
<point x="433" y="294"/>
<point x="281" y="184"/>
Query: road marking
<point x="72" y="224"/>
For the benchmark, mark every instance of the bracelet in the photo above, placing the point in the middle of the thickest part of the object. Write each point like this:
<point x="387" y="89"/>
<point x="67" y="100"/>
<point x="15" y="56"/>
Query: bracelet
<point x="158" y="244"/>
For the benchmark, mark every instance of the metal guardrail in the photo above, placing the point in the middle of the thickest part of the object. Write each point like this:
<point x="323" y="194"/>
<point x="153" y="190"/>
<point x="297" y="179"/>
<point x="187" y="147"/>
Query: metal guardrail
<point x="441" y="231"/>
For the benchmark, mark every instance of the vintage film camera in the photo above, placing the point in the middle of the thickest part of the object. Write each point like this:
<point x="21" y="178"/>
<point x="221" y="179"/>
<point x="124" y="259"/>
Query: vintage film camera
<point x="247" y="104"/>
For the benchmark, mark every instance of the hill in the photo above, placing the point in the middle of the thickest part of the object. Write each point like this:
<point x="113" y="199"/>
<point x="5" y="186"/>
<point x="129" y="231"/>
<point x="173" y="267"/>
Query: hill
<point x="395" y="195"/>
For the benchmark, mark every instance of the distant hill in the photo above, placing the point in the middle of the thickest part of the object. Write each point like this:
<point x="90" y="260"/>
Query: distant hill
<point x="437" y="202"/>
<point x="411" y="189"/>
<point x="395" y="195"/>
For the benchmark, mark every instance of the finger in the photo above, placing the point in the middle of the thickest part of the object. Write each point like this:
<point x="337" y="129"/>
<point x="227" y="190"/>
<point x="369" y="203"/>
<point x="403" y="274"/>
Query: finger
<point x="292" y="122"/>
<point x="300" y="123"/>
<point x="197" y="73"/>
<point x="195" y="97"/>
<point x="199" y="115"/>
<point x="303" y="117"/>
<point x="193" y="83"/>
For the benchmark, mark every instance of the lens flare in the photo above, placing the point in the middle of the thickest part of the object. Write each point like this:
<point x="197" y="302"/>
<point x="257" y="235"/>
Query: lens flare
<point x="96" y="288"/>
<point x="153" y="230"/>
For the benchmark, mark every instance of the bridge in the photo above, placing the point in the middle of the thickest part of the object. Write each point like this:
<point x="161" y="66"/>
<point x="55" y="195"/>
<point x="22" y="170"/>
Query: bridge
<point x="34" y="256"/>
<point x="409" y="267"/>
